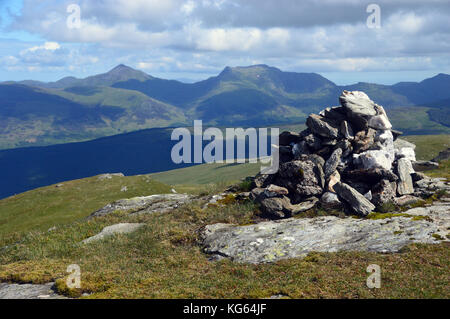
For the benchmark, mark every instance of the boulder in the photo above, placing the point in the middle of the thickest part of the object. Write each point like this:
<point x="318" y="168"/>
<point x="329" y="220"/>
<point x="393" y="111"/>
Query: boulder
<point x="357" y="201"/>
<point x="359" y="107"/>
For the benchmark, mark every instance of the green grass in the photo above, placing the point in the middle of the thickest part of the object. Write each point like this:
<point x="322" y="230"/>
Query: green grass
<point x="208" y="173"/>
<point x="163" y="260"/>
<point x="46" y="207"/>
<point x="429" y="146"/>
<point x="415" y="120"/>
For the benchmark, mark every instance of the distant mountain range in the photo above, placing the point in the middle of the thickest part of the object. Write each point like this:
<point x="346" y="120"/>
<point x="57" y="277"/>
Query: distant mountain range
<point x="36" y="113"/>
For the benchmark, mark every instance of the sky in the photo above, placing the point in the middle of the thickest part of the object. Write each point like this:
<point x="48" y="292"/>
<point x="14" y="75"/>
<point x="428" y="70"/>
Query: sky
<point x="346" y="41"/>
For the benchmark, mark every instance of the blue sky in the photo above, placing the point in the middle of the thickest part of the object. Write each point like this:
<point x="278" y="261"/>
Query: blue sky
<point x="186" y="39"/>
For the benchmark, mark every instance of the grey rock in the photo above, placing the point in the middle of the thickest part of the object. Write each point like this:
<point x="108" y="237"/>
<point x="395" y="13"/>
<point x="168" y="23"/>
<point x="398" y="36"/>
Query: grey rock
<point x="422" y="166"/>
<point x="357" y="201"/>
<point x="293" y="238"/>
<point x="400" y="143"/>
<point x="318" y="125"/>
<point x="405" y="183"/>
<point x="313" y="142"/>
<point x="373" y="159"/>
<point x="275" y="191"/>
<point x="372" y="176"/>
<point x="359" y="107"/>
<point x="442" y="156"/>
<point x="383" y="193"/>
<point x="300" y="149"/>
<point x="286" y="138"/>
<point x="335" y="113"/>
<point x="109" y="176"/>
<point x="148" y="204"/>
<point x="330" y="200"/>
<point x="300" y="177"/>
<point x="406" y="200"/>
<point x="364" y="140"/>
<point x="332" y="162"/>
<point x="263" y="180"/>
<point x="122" y="228"/>
<point x="380" y="121"/>
<point x="347" y="131"/>
<point x="276" y="207"/>
<point x="304" y="205"/>
<point x="28" y="291"/>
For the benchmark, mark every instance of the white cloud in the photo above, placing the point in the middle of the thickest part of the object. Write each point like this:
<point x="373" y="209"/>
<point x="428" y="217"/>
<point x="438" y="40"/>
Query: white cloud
<point x="205" y="35"/>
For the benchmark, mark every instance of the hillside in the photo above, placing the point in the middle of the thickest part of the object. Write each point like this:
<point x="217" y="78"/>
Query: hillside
<point x="123" y="100"/>
<point x="163" y="259"/>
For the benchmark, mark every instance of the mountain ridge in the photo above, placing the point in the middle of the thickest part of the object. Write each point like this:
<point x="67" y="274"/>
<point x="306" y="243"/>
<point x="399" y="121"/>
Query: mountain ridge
<point x="125" y="99"/>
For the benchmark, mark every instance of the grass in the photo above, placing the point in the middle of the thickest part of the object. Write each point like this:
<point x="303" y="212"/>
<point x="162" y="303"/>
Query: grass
<point x="163" y="260"/>
<point x="207" y="174"/>
<point x="50" y="206"/>
<point x="429" y="146"/>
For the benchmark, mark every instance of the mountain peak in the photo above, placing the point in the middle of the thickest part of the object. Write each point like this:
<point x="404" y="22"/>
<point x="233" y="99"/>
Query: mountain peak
<point x="122" y="68"/>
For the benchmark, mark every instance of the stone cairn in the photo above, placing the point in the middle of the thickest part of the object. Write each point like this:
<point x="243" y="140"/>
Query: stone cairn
<point x="349" y="158"/>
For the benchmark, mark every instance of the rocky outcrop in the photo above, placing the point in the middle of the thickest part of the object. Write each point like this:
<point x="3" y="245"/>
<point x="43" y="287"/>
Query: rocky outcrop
<point x="350" y="151"/>
<point x="294" y="237"/>
<point x="145" y="205"/>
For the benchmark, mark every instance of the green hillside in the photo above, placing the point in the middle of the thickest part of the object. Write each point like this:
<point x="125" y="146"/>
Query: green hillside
<point x="43" y="208"/>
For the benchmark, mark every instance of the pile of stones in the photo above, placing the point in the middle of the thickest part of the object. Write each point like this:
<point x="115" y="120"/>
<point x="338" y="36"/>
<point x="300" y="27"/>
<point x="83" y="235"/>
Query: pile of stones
<point x="349" y="159"/>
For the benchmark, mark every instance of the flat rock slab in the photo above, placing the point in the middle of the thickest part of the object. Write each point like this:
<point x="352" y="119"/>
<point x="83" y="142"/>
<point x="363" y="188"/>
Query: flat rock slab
<point x="292" y="238"/>
<point x="122" y="228"/>
<point x="148" y="204"/>
<point x="28" y="291"/>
